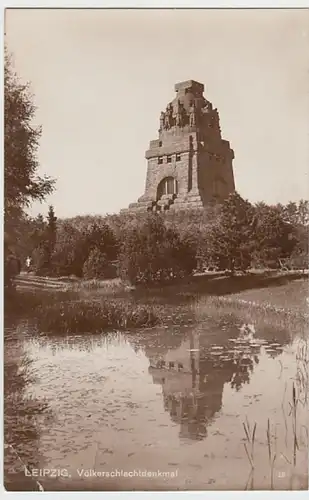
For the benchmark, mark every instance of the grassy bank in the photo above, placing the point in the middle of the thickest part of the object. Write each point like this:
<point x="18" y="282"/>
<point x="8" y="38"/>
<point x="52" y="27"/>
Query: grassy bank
<point x="91" y="306"/>
<point x="260" y="315"/>
<point x="291" y="296"/>
<point x="283" y="307"/>
<point x="284" y="289"/>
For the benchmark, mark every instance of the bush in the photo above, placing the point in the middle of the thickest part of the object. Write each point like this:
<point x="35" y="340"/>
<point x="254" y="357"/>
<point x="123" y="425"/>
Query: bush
<point x="75" y="246"/>
<point x="96" y="264"/>
<point x="41" y="261"/>
<point x="151" y="252"/>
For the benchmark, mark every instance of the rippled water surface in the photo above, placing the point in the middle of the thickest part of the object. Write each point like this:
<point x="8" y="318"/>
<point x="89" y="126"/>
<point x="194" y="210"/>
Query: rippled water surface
<point x="175" y="399"/>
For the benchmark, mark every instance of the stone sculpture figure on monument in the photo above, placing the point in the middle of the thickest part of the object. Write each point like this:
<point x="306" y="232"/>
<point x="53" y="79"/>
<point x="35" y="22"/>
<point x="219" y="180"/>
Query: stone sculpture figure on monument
<point x="162" y="116"/>
<point x="166" y="121"/>
<point x="192" y="118"/>
<point x="168" y="117"/>
<point x="180" y="115"/>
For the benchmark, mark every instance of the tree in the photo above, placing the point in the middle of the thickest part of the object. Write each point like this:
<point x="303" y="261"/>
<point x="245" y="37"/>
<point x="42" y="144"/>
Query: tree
<point x="295" y="213"/>
<point x="38" y="231"/>
<point x="151" y="252"/>
<point x="102" y="237"/>
<point x="296" y="216"/>
<point x="51" y="230"/>
<point x="97" y="236"/>
<point x="46" y="244"/>
<point x="230" y="237"/>
<point x="64" y="251"/>
<point x="74" y="244"/>
<point x="273" y="235"/>
<point x="95" y="265"/>
<point x="26" y="237"/>
<point x="303" y="212"/>
<point x="22" y="184"/>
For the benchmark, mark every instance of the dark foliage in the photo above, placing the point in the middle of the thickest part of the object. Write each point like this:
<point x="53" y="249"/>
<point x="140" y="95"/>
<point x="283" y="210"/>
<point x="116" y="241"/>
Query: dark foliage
<point x="152" y="252"/>
<point x="22" y="184"/>
<point x="153" y="248"/>
<point x="96" y="265"/>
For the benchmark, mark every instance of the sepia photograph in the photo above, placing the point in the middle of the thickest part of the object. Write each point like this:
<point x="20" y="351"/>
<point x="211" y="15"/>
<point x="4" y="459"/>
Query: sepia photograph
<point x="156" y="215"/>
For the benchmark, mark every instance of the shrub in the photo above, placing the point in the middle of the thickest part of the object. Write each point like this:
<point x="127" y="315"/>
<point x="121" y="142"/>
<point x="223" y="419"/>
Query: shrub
<point x="75" y="246"/>
<point x="95" y="265"/>
<point x="151" y="252"/>
<point x="41" y="260"/>
<point x="229" y="239"/>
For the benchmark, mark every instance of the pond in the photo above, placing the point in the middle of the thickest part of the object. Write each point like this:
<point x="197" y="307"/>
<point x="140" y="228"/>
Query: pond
<point x="194" y="405"/>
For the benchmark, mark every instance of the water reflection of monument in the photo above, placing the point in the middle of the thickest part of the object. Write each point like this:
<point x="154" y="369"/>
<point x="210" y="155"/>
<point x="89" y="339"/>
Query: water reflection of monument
<point x="193" y="376"/>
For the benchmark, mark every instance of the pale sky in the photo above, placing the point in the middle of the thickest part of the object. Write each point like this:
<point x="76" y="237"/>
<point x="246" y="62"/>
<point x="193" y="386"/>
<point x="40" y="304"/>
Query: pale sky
<point x="102" y="77"/>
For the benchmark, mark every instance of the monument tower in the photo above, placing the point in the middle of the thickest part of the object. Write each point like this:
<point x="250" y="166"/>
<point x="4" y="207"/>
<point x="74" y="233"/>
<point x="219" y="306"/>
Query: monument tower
<point x="189" y="165"/>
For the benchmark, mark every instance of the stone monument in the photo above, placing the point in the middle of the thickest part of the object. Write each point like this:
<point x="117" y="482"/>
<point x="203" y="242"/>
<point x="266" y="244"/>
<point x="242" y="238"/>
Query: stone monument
<point x="189" y="165"/>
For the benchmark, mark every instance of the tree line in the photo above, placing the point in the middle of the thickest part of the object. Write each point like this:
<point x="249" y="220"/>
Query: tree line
<point x="235" y="236"/>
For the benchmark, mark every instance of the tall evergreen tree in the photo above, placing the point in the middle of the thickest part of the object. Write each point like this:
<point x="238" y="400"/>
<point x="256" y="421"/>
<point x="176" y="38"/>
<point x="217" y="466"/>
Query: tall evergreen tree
<point x="51" y="229"/>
